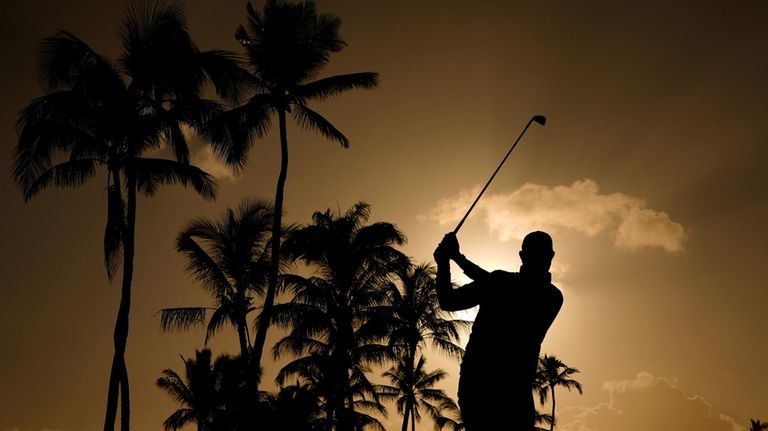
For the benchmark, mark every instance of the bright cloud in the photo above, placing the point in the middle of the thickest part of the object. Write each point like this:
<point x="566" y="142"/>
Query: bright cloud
<point x="579" y="207"/>
<point x="646" y="403"/>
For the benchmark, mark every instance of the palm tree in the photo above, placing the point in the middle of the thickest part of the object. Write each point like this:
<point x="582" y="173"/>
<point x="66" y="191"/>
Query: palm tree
<point x="298" y="407"/>
<point x="286" y="45"/>
<point x="334" y="330"/>
<point x="100" y="115"/>
<point x="449" y="419"/>
<point x="551" y="373"/>
<point x="197" y="392"/>
<point x="756" y="425"/>
<point x="413" y="389"/>
<point x="230" y="258"/>
<point x="418" y="320"/>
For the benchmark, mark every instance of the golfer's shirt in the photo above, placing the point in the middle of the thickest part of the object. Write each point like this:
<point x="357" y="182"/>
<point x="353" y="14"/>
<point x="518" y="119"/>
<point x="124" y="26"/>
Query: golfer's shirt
<point x="516" y="310"/>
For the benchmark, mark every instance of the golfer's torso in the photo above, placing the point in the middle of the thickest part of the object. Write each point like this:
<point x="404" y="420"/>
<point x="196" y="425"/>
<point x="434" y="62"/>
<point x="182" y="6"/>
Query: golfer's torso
<point x="507" y="329"/>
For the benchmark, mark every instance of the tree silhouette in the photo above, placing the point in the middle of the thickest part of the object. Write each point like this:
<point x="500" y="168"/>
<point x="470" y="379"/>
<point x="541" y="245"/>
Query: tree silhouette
<point x="418" y="321"/>
<point x="286" y="45"/>
<point x="96" y="114"/>
<point x="333" y="317"/>
<point x="552" y="372"/>
<point x="230" y="258"/>
<point x="756" y="425"/>
<point x="197" y="391"/>
<point x="413" y="389"/>
<point x="449" y="419"/>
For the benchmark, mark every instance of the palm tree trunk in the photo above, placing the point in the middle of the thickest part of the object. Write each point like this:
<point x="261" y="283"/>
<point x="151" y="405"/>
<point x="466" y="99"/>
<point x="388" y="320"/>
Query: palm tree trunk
<point x="119" y="372"/>
<point x="243" y="337"/>
<point x="411" y="361"/>
<point x="269" y="298"/>
<point x="552" y="425"/>
<point x="125" y="397"/>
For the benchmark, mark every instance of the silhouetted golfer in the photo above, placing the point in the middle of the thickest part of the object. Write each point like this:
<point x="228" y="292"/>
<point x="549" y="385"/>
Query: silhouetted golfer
<point x="516" y="310"/>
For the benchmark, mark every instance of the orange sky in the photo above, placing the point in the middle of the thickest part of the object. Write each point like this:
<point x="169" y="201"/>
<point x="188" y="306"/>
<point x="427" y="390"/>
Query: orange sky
<point x="650" y="174"/>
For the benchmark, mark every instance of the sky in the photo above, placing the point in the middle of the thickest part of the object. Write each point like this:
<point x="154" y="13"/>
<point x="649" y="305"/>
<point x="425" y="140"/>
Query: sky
<point x="650" y="174"/>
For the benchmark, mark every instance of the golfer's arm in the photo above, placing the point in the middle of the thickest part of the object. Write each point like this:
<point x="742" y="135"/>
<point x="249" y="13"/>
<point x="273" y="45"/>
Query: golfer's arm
<point x="451" y="299"/>
<point x="471" y="269"/>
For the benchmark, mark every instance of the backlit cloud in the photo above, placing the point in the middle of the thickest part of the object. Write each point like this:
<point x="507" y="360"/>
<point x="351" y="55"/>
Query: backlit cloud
<point x="646" y="403"/>
<point x="579" y="207"/>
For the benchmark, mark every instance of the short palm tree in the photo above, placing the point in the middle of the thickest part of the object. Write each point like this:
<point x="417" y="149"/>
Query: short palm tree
<point x="230" y="258"/>
<point x="449" y="419"/>
<point x="756" y="425"/>
<point x="96" y="114"/>
<point x="413" y="390"/>
<point x="332" y="318"/>
<point x="418" y="322"/>
<point x="197" y="391"/>
<point x="287" y="45"/>
<point x="551" y="373"/>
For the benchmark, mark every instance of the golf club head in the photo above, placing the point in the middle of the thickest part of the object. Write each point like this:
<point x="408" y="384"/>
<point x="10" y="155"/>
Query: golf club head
<point x="540" y="119"/>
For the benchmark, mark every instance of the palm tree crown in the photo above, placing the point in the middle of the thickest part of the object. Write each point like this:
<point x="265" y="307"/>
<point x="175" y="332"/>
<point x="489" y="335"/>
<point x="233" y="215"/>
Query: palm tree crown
<point x="552" y="372"/>
<point x="230" y="258"/>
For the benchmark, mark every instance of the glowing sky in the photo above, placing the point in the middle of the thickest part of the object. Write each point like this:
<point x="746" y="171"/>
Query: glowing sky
<point x="650" y="174"/>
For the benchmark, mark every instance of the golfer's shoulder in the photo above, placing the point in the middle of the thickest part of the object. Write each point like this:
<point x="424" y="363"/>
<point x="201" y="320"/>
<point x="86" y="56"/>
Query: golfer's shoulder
<point x="555" y="293"/>
<point x="505" y="277"/>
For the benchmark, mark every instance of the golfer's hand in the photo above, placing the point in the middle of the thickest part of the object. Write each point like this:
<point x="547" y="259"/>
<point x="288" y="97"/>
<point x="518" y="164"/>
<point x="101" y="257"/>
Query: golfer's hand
<point x="447" y="249"/>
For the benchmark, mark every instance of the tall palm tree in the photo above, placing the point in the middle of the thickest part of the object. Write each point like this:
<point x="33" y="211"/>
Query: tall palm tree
<point x="287" y="45"/>
<point x="413" y="389"/>
<point x="334" y="329"/>
<point x="96" y="114"/>
<point x="418" y="321"/>
<point x="552" y="372"/>
<point x="230" y="258"/>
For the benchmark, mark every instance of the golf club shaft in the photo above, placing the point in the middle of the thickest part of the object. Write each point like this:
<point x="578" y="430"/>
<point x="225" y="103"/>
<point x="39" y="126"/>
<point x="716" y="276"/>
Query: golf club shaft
<point x="455" y="231"/>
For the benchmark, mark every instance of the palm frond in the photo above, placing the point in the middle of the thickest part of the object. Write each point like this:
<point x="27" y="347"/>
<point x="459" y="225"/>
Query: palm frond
<point x="72" y="173"/>
<point x="225" y="72"/>
<point x="182" y="318"/>
<point x="311" y="120"/>
<point x="151" y="173"/>
<point x="336" y="85"/>
<point x="231" y="133"/>
<point x="65" y="60"/>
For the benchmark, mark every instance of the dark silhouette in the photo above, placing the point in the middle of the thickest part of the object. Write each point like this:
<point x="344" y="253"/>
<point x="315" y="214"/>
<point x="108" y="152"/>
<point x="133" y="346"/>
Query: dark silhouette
<point x="335" y="319"/>
<point x="214" y="397"/>
<point x="418" y="322"/>
<point x="756" y="425"/>
<point x="413" y="390"/>
<point x="286" y="46"/>
<point x="516" y="310"/>
<point x="96" y="114"/>
<point x="552" y="372"/>
<point x="230" y="258"/>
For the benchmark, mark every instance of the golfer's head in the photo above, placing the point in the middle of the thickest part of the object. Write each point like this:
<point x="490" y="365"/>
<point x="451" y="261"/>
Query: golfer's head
<point x="537" y="251"/>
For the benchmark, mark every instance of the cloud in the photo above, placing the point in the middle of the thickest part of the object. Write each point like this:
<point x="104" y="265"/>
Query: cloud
<point x="646" y="403"/>
<point x="206" y="160"/>
<point x="579" y="207"/>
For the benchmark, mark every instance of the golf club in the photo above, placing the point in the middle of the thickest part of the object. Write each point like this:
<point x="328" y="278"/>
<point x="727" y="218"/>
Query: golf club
<point x="540" y="119"/>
